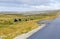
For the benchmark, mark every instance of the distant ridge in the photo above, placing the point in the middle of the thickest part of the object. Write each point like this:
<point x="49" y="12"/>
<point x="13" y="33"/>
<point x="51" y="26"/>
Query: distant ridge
<point x="28" y="12"/>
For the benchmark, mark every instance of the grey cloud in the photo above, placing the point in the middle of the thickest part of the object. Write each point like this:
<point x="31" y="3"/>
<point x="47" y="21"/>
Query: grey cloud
<point x="35" y="2"/>
<point x="32" y="2"/>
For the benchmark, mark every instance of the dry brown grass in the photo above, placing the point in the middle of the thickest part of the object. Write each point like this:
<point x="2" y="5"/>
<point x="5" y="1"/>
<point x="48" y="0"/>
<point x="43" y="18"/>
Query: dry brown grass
<point x="11" y="31"/>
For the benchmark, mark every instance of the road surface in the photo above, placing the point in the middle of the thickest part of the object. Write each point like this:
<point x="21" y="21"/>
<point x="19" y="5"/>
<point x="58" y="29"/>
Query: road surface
<point x="50" y="31"/>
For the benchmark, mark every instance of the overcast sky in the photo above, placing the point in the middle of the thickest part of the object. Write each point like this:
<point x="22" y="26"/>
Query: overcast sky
<point x="29" y="5"/>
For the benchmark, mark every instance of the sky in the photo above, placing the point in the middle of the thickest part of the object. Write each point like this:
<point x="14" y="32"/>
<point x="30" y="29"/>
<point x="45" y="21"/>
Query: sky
<point x="29" y="5"/>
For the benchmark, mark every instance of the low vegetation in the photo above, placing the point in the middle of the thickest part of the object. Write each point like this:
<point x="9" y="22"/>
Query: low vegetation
<point x="12" y="25"/>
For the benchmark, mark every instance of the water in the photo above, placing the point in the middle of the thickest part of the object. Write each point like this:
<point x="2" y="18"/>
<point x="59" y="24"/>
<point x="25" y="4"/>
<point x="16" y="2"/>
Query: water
<point x="50" y="31"/>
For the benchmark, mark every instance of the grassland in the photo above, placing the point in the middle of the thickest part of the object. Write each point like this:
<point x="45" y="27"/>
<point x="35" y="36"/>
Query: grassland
<point x="12" y="25"/>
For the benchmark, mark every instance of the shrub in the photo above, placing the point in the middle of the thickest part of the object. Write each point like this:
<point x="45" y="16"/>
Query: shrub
<point x="26" y="20"/>
<point x="15" y="20"/>
<point x="19" y="19"/>
<point x="31" y="19"/>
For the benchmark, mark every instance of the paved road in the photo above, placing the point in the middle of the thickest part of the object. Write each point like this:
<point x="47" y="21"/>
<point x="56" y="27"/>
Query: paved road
<point x="51" y="31"/>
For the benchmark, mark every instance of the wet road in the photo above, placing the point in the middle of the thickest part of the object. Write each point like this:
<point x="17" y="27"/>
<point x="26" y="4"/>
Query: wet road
<point x="50" y="31"/>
